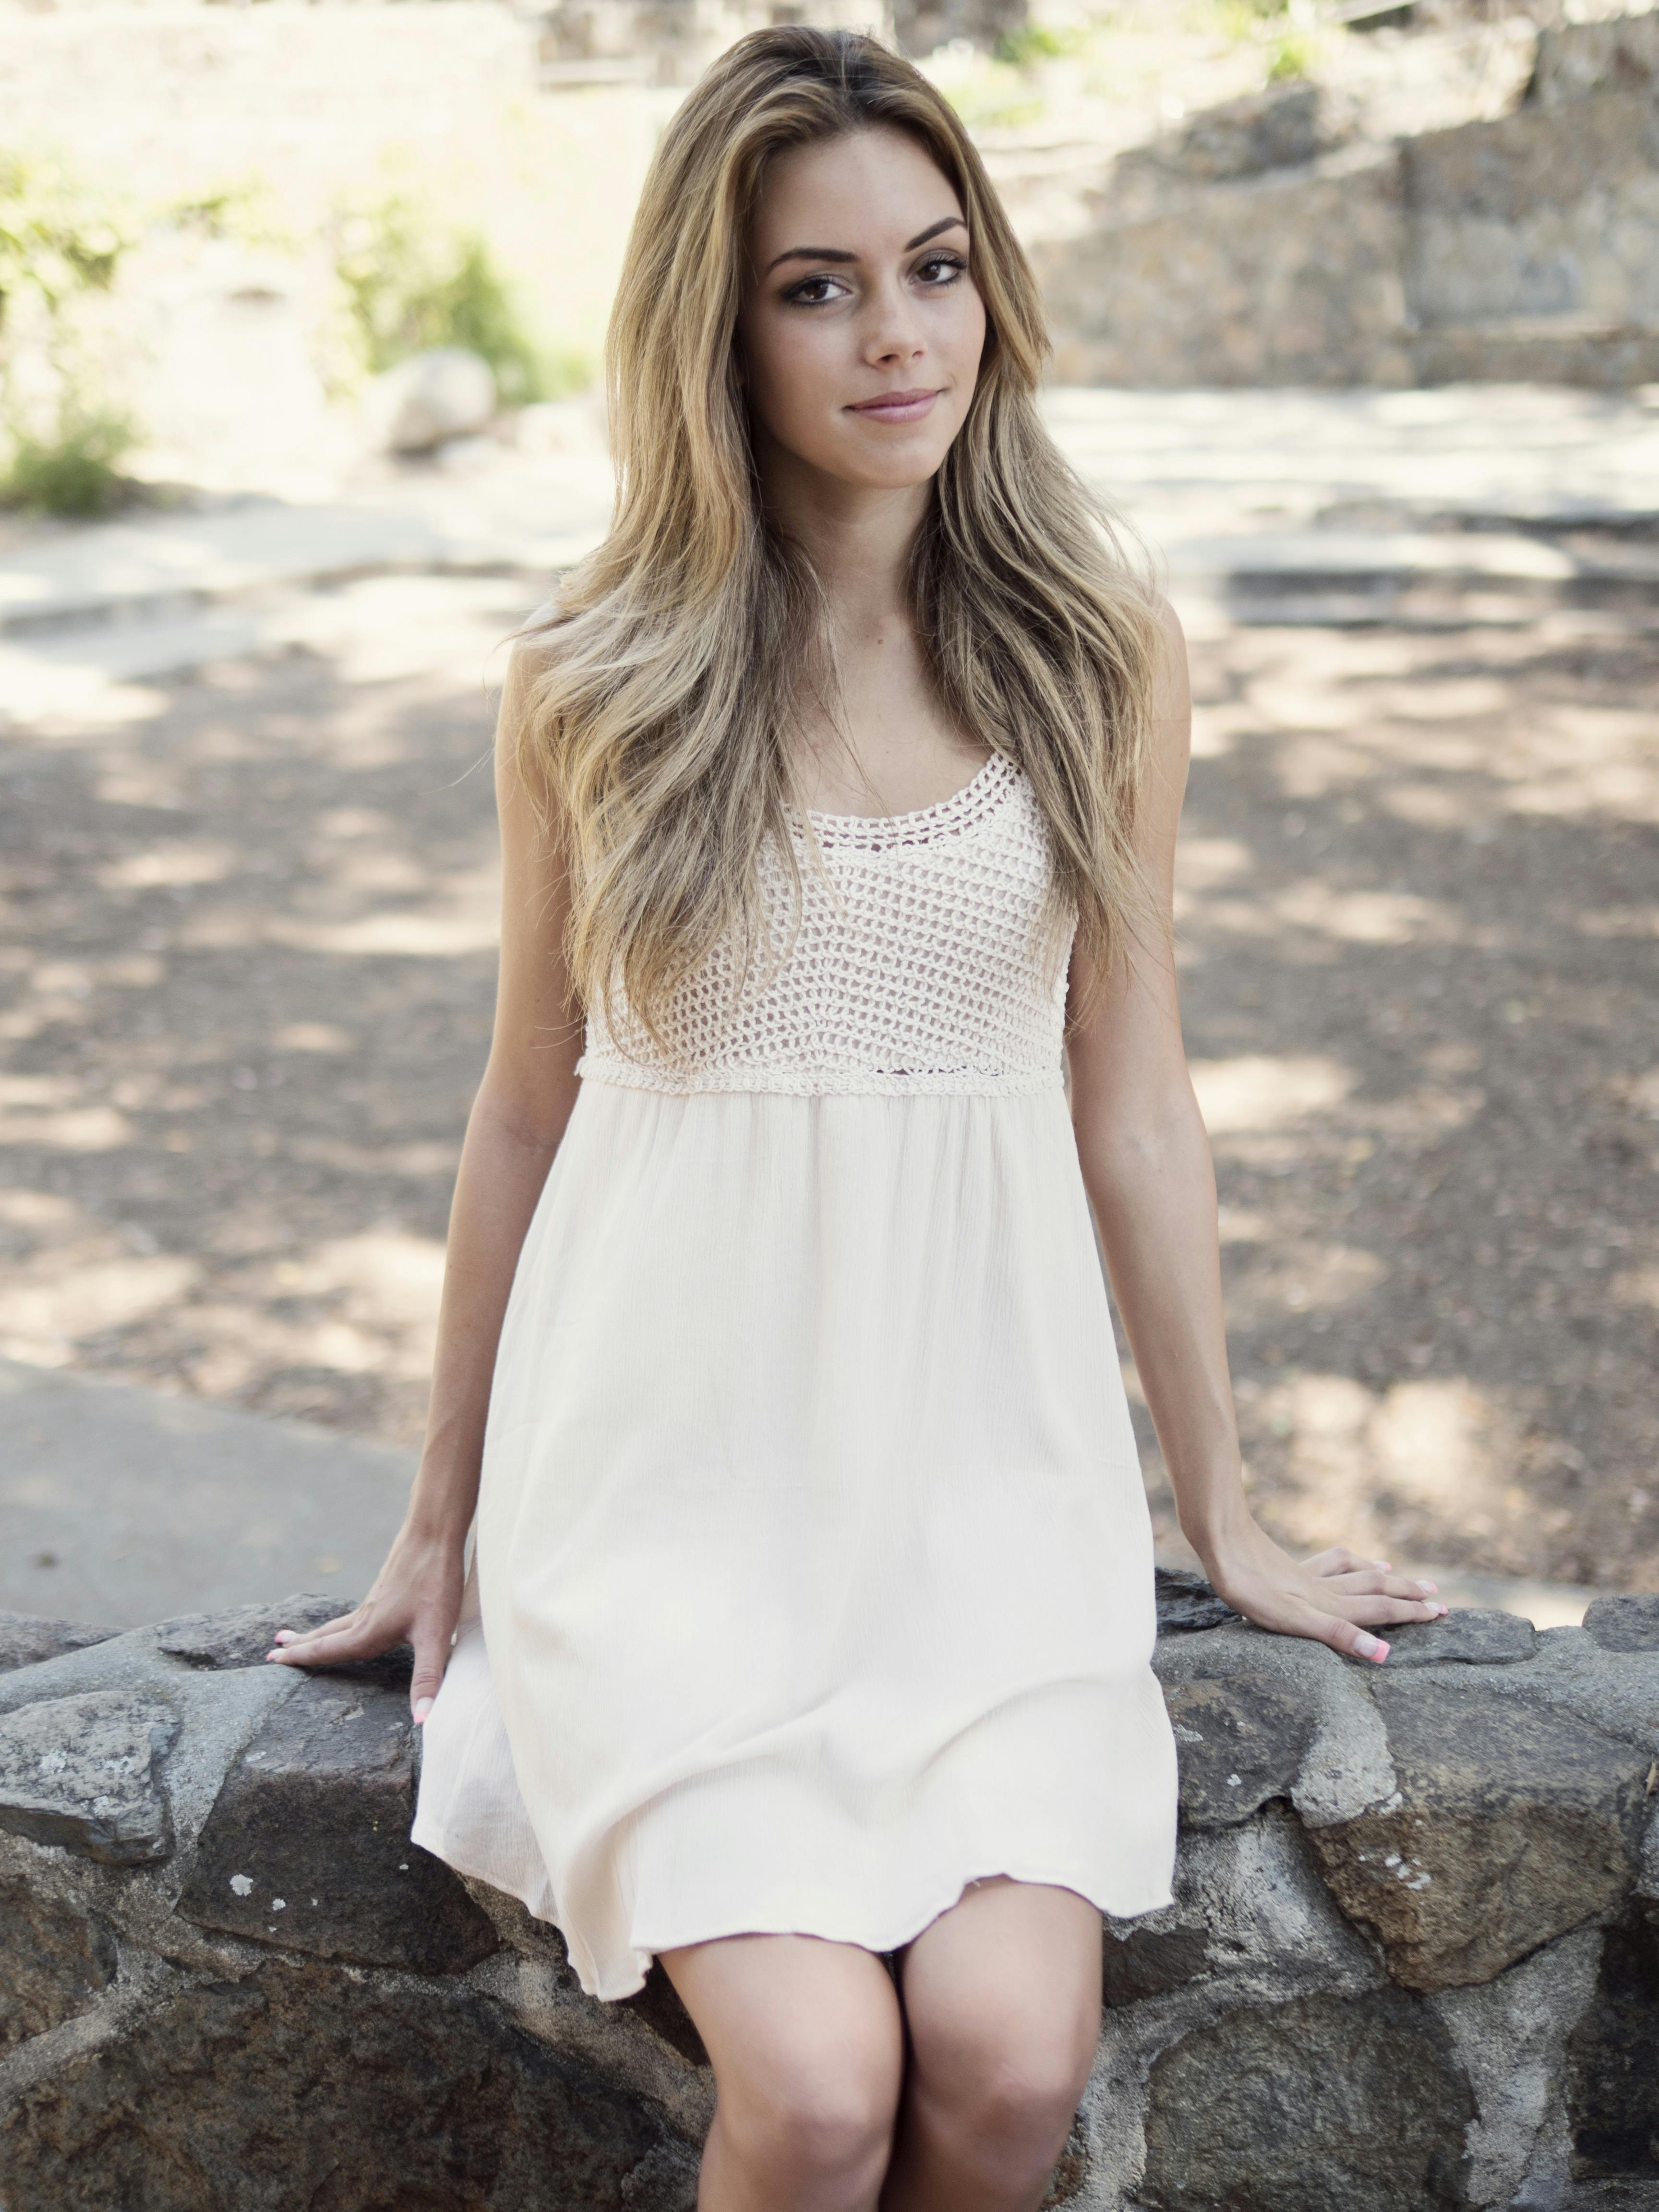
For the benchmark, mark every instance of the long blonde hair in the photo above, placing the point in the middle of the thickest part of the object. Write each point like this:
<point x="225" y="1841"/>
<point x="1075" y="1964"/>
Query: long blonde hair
<point x="660" y="713"/>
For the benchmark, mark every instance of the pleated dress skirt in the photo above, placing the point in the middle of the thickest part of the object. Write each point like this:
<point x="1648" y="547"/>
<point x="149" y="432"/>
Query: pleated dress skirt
<point x="813" y="1573"/>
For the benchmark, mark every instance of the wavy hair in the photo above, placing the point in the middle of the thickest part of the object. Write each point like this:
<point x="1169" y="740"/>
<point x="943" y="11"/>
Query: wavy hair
<point x="662" y="691"/>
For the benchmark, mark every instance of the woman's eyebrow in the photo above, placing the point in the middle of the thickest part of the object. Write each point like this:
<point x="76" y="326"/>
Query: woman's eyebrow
<point x="840" y="253"/>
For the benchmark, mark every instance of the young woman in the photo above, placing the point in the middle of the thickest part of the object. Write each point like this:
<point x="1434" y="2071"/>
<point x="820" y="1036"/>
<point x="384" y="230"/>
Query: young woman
<point x="811" y="1612"/>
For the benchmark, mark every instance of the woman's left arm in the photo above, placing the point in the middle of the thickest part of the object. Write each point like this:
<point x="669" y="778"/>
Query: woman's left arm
<point x="1146" y="1167"/>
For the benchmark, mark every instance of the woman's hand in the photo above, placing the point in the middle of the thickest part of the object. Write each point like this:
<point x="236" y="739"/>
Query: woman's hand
<point x="414" y="1598"/>
<point x="1335" y="1598"/>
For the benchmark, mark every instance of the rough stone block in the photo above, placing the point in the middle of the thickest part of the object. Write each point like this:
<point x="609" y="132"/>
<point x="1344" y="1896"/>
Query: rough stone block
<point x="1293" y="278"/>
<point x="1186" y="1603"/>
<point x="26" y="1639"/>
<point x="54" y="1958"/>
<point x="1512" y="1823"/>
<point x="307" y="1843"/>
<point x="1613" y="2060"/>
<point x="1471" y="1634"/>
<point x="1149" y="1962"/>
<point x="1577" y="60"/>
<point x="1547" y="213"/>
<point x="305" y="2087"/>
<point x="1241" y="1739"/>
<point x="1625" y="1624"/>
<point x="1328" y="2102"/>
<point x="85" y="1774"/>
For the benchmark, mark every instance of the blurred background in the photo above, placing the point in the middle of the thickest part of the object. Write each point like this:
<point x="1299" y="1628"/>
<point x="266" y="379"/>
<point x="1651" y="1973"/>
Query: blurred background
<point x="1356" y="316"/>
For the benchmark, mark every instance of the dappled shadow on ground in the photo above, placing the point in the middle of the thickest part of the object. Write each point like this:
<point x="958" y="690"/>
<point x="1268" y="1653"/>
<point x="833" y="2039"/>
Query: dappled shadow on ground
<point x="249" y="952"/>
<point x="1420" y="897"/>
<point x="247" y="963"/>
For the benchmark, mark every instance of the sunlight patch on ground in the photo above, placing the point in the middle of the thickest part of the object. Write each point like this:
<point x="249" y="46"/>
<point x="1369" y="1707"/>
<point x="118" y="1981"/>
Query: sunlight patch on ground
<point x="1257" y="1091"/>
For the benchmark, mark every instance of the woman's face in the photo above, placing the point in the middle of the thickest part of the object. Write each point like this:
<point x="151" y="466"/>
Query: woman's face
<point x="861" y="326"/>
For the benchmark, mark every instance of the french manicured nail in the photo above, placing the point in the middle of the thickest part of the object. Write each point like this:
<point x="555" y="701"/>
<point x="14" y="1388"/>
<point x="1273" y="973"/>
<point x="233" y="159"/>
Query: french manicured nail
<point x="1371" y="1647"/>
<point x="1387" y="1564"/>
<point x="1428" y="1588"/>
<point x="273" y="1654"/>
<point x="422" y="1710"/>
<point x="283" y="1636"/>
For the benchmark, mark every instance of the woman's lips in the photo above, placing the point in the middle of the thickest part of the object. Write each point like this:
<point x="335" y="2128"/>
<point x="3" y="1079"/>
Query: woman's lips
<point x="895" y="406"/>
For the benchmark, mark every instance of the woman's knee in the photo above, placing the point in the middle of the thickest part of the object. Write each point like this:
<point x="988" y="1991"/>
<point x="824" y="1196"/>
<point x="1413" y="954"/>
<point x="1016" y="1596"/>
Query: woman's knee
<point x="1005" y="2082"/>
<point x="822" y="2110"/>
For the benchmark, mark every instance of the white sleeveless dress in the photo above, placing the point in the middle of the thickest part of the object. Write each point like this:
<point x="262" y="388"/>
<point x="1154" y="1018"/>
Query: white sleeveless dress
<point x="813" y="1572"/>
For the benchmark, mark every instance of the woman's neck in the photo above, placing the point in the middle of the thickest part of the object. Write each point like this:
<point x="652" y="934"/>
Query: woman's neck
<point x="857" y="536"/>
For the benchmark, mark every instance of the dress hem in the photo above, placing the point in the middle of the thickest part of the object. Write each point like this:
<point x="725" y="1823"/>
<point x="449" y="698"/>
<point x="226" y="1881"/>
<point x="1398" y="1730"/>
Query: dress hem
<point x="894" y="1938"/>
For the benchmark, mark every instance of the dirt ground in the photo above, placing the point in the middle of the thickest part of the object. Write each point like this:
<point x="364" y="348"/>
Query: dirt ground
<point x="245" y="950"/>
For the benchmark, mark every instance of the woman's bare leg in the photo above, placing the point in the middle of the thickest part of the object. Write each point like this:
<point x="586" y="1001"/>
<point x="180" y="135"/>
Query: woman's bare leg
<point x="1002" y="2005"/>
<point x="808" y="2050"/>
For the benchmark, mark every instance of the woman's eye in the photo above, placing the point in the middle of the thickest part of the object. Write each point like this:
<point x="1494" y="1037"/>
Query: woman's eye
<point x="941" y="268"/>
<point x="812" y="291"/>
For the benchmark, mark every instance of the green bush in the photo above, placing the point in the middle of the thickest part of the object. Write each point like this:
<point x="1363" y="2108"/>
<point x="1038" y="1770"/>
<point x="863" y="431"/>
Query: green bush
<point x="59" y="241"/>
<point x="1035" y="42"/>
<point x="410" y="284"/>
<point x="56" y="239"/>
<point x="73" y="471"/>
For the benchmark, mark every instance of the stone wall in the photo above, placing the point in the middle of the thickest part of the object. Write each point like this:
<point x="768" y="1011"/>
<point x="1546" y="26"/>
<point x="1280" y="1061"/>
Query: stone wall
<point x="1303" y="236"/>
<point x="1413" y="1961"/>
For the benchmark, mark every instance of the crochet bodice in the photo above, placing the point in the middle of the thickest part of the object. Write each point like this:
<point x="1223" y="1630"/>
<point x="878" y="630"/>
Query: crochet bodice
<point x="918" y="965"/>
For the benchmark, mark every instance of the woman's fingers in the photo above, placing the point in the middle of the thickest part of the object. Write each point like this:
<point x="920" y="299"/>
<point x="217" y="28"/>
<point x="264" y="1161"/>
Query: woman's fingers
<point x="1291" y="1610"/>
<point x="1338" y="1560"/>
<point x="1372" y="1581"/>
<point x="359" y="1635"/>
<point x="431" y="1656"/>
<point x="356" y="1635"/>
<point x="1347" y="1637"/>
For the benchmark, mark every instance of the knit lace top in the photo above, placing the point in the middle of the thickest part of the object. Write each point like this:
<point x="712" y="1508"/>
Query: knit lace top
<point x="918" y="965"/>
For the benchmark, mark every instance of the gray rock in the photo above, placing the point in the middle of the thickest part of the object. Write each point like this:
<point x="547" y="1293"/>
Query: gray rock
<point x="308" y="1844"/>
<point x="243" y="1635"/>
<point x="84" y="1773"/>
<point x="1348" y="1767"/>
<point x="1508" y="2037"/>
<point x="1512" y="1822"/>
<point x="1471" y="1634"/>
<point x="1241" y="1741"/>
<point x="1149" y="1962"/>
<point x="447" y="393"/>
<point x="53" y="1962"/>
<point x="1186" y="1603"/>
<point x="659" y="2005"/>
<point x="1625" y="1624"/>
<point x="1613" y="2062"/>
<point x="1327" y="2102"/>
<point x="26" y="1639"/>
<point x="307" y="2086"/>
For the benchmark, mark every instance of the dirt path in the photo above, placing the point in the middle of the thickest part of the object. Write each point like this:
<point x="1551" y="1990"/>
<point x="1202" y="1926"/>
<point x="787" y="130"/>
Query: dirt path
<point x="244" y="948"/>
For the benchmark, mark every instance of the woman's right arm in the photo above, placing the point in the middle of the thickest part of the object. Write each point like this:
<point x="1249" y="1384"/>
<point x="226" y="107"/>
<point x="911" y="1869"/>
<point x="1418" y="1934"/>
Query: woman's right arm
<point x="518" y="1118"/>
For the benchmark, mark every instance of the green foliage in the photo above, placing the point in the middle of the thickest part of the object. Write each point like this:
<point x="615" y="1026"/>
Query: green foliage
<point x="411" y="283"/>
<point x="56" y="239"/>
<point x="1029" y="43"/>
<point x="72" y="471"/>
<point x="244" y="209"/>
<point x="1293" y="55"/>
<point x="59" y="241"/>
